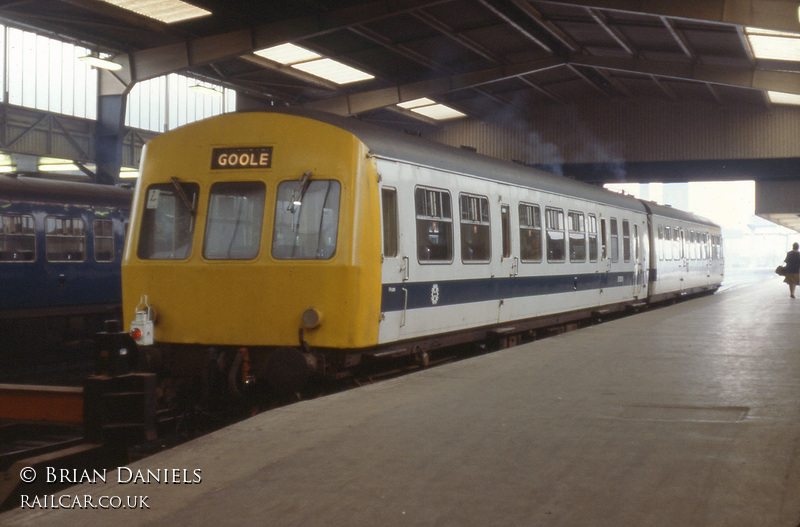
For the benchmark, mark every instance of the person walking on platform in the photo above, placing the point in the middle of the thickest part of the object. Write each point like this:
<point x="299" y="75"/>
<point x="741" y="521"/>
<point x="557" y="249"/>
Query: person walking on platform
<point x="792" y="268"/>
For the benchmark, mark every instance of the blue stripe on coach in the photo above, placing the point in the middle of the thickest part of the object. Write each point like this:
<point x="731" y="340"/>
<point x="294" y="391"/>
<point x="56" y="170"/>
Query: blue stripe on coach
<point x="454" y="292"/>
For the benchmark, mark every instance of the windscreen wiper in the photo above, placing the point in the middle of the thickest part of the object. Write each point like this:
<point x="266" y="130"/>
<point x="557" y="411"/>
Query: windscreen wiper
<point x="300" y="192"/>
<point x="189" y="205"/>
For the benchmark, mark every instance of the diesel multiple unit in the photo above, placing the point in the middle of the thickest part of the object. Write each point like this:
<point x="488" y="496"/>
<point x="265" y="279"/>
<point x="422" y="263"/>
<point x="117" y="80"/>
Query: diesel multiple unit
<point x="270" y="245"/>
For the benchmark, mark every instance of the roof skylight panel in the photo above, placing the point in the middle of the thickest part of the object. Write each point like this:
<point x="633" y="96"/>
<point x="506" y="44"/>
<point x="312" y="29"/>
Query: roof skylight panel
<point x="416" y="103"/>
<point x="776" y="97"/>
<point x="333" y="71"/>
<point x="774" y="45"/>
<point x="287" y="54"/>
<point x="307" y="61"/>
<point x="432" y="109"/>
<point x="439" y="112"/>
<point x="167" y="11"/>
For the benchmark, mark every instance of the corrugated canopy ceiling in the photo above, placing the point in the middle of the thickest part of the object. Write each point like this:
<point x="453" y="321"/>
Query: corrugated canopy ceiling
<point x="473" y="56"/>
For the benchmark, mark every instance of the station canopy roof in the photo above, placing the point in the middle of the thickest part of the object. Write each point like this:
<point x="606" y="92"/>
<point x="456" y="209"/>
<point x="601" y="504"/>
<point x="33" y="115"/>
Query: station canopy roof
<point x="421" y="62"/>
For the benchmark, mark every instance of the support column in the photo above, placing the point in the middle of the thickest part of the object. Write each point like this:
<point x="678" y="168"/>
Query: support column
<point x="110" y="127"/>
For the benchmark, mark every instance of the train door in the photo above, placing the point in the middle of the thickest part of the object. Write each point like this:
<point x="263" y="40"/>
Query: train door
<point x="605" y="258"/>
<point x="394" y="269"/>
<point x="639" y="263"/>
<point x="509" y="261"/>
<point x="705" y="253"/>
<point x="683" y="264"/>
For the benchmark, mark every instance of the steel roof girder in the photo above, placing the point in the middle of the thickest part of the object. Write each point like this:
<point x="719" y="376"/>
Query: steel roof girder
<point x="154" y="62"/>
<point x="374" y="99"/>
<point x="786" y="81"/>
<point x="778" y="15"/>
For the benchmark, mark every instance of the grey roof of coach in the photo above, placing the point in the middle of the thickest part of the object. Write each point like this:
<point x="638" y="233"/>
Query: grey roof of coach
<point x="391" y="144"/>
<point x="21" y="187"/>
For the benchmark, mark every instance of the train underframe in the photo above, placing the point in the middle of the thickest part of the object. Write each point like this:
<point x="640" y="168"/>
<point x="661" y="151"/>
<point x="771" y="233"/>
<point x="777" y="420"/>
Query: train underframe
<point x="259" y="375"/>
<point x="44" y="338"/>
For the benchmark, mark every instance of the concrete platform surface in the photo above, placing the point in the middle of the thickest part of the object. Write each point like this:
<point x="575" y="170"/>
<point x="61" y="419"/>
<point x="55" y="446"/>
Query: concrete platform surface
<point x="683" y="416"/>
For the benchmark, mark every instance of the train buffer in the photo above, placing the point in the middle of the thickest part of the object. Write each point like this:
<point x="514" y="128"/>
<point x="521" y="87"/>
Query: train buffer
<point x="73" y="428"/>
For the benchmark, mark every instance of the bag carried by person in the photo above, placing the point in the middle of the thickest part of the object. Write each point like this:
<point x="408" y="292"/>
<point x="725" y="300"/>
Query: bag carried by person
<point x="781" y="270"/>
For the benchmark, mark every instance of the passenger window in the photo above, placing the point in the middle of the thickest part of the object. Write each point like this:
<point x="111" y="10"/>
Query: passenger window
<point x="167" y="225"/>
<point x="577" y="236"/>
<point x="530" y="233"/>
<point x="614" y="241"/>
<point x="476" y="241"/>
<point x="233" y="224"/>
<point x="505" y="219"/>
<point x="554" y="223"/>
<point x="103" y="241"/>
<point x="667" y="243"/>
<point x="603" y="239"/>
<point x="390" y="231"/>
<point x="17" y="239"/>
<point x="65" y="239"/>
<point x="636" y="241"/>
<point x="434" y="225"/>
<point x="592" y="237"/>
<point x="306" y="221"/>
<point x="626" y="241"/>
<point x="660" y="242"/>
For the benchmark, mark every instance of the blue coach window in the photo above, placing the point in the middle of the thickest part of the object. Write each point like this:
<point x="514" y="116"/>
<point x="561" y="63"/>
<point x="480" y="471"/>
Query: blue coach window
<point x="17" y="239"/>
<point x="167" y="225"/>
<point x="306" y="223"/>
<point x="233" y="224"/>
<point x="65" y="239"/>
<point x="103" y="241"/>
<point x="434" y="225"/>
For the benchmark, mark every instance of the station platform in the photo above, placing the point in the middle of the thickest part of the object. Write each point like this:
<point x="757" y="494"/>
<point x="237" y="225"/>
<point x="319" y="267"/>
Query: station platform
<point x="686" y="415"/>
